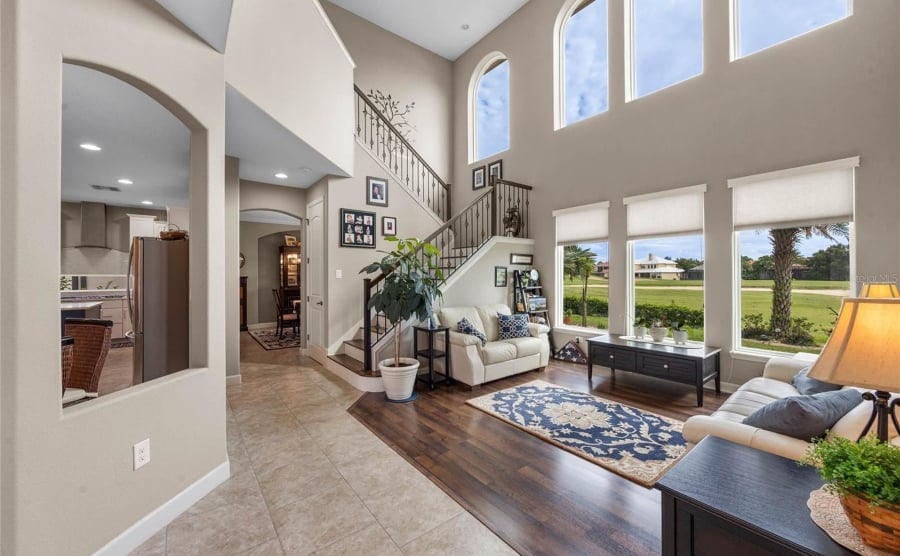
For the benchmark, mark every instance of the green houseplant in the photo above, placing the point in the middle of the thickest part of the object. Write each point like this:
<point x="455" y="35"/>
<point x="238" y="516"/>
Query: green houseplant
<point x="411" y="286"/>
<point x="866" y="477"/>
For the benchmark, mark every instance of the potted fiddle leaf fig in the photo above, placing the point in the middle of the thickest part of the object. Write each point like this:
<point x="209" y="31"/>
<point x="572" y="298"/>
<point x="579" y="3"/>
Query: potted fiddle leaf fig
<point x="411" y="286"/>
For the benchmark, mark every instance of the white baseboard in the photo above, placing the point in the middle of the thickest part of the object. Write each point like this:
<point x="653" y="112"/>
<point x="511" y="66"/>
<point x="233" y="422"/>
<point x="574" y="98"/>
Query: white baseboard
<point x="232" y="380"/>
<point x="153" y="522"/>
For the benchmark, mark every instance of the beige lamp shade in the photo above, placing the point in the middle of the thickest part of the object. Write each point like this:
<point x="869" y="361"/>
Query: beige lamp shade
<point x="864" y="348"/>
<point x="879" y="289"/>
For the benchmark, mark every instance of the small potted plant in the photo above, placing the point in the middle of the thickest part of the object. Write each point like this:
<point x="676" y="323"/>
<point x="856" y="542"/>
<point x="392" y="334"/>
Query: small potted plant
<point x="567" y="317"/>
<point x="679" y="334"/>
<point x="411" y="285"/>
<point x="658" y="330"/>
<point x="640" y="326"/>
<point x="866" y="477"/>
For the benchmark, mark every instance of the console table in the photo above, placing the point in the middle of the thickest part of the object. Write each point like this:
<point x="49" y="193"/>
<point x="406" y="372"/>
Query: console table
<point x="725" y="498"/>
<point x="677" y="364"/>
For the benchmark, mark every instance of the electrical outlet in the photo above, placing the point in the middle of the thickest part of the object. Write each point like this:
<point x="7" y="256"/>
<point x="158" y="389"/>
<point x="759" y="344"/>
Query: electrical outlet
<point x="577" y="339"/>
<point x="141" y="453"/>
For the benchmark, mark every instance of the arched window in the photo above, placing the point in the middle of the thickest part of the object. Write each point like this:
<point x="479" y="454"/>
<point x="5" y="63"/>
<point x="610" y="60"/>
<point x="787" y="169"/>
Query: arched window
<point x="582" y="61"/>
<point x="490" y="107"/>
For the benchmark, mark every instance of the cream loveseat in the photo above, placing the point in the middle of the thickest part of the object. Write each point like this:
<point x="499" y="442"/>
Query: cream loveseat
<point x="473" y="364"/>
<point x="773" y="385"/>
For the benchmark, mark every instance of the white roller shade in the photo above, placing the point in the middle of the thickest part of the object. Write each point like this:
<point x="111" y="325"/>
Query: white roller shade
<point x="816" y="194"/>
<point x="667" y="213"/>
<point x="582" y="224"/>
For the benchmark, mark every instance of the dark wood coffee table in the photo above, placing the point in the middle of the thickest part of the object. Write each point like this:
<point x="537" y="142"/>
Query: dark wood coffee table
<point x="727" y="499"/>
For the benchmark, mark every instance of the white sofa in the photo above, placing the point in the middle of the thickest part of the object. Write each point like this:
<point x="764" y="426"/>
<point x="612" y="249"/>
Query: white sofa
<point x="773" y="385"/>
<point x="474" y="364"/>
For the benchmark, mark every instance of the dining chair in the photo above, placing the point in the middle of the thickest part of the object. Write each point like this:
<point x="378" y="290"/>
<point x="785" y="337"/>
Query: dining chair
<point x="91" y="346"/>
<point x="284" y="315"/>
<point x="67" y="346"/>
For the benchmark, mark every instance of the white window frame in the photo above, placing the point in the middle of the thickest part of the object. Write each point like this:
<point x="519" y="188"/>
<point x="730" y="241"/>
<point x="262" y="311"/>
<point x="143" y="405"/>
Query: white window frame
<point x="487" y="63"/>
<point x="559" y="62"/>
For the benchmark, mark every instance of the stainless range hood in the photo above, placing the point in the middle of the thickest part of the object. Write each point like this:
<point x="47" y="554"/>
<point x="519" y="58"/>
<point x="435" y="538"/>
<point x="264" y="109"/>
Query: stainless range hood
<point x="93" y="225"/>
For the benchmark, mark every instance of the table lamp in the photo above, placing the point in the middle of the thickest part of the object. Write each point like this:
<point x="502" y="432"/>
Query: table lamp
<point x="879" y="289"/>
<point x="864" y="351"/>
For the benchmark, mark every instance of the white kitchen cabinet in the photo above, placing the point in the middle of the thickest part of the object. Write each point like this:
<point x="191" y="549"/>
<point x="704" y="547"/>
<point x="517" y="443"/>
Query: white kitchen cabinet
<point x="116" y="310"/>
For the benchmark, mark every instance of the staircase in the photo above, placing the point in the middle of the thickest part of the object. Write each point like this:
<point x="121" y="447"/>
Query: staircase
<point x="501" y="210"/>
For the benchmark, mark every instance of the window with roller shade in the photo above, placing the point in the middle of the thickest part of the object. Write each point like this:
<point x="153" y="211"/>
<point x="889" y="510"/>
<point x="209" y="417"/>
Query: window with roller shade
<point x="793" y="254"/>
<point x="582" y="269"/>
<point x="665" y="252"/>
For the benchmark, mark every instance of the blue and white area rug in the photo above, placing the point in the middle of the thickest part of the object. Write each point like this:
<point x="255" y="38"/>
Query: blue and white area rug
<point x="639" y="445"/>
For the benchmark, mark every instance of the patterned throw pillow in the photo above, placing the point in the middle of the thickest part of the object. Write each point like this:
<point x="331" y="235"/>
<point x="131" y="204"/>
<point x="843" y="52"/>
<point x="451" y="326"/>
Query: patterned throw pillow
<point x="512" y="326"/>
<point x="467" y="327"/>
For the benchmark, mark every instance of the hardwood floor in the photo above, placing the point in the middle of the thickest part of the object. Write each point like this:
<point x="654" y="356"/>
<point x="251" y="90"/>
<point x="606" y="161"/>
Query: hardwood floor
<point x="538" y="498"/>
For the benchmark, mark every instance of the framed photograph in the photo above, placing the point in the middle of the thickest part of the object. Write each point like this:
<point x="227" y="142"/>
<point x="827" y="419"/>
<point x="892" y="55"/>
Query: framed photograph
<point x="292" y="281"/>
<point x="376" y="191"/>
<point x="521" y="258"/>
<point x="495" y="169"/>
<point x="388" y="226"/>
<point x="292" y="268"/>
<point x="357" y="228"/>
<point x="478" y="178"/>
<point x="499" y="276"/>
<point x="290" y="241"/>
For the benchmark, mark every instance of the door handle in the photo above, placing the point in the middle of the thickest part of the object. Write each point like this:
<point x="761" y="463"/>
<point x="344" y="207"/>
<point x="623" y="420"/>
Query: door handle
<point x="320" y="303"/>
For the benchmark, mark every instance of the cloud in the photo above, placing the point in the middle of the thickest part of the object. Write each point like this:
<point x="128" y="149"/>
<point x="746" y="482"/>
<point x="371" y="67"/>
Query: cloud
<point x="492" y="111"/>
<point x="585" y="65"/>
<point x="668" y="42"/>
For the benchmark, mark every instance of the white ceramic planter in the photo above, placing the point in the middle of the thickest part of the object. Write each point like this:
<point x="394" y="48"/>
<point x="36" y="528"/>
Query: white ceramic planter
<point x="680" y="336"/>
<point x="399" y="382"/>
<point x="640" y="331"/>
<point x="658" y="333"/>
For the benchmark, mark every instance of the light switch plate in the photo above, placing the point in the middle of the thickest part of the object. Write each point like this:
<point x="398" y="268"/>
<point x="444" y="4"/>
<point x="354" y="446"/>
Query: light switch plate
<point x="338" y="273"/>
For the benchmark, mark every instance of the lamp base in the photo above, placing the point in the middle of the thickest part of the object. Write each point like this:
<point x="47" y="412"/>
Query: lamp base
<point x="882" y="407"/>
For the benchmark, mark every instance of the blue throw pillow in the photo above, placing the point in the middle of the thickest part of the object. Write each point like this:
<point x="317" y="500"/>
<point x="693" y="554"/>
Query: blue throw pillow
<point x="467" y="327"/>
<point x="806" y="385"/>
<point x="512" y="326"/>
<point x="805" y="417"/>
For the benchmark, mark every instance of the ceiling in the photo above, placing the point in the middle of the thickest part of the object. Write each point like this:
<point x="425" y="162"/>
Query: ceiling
<point x="143" y="142"/>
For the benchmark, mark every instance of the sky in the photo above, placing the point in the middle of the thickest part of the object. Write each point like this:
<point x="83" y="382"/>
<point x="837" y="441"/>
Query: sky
<point x="585" y="63"/>
<point x="492" y="112"/>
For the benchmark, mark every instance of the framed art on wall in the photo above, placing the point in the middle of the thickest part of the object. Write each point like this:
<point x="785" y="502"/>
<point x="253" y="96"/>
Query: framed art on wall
<point x="521" y="258"/>
<point x="376" y="191"/>
<point x="499" y="276"/>
<point x="478" y="178"/>
<point x="357" y="228"/>
<point x="290" y="241"/>
<point x="495" y="169"/>
<point x="388" y="226"/>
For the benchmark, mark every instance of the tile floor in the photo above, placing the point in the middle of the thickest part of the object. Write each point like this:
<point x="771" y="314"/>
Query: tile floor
<point x="307" y="478"/>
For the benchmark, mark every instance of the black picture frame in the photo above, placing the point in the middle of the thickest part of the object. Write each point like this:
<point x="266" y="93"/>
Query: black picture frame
<point x="495" y="170"/>
<point x="500" y="275"/>
<point x="388" y="225"/>
<point x="521" y="258"/>
<point x="376" y="191"/>
<point x="357" y="228"/>
<point x="478" y="178"/>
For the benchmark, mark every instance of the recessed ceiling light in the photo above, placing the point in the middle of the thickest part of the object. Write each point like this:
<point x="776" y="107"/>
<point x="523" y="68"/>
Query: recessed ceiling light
<point x="464" y="26"/>
<point x="126" y="181"/>
<point x="281" y="176"/>
<point x="146" y="202"/>
<point x="90" y="147"/>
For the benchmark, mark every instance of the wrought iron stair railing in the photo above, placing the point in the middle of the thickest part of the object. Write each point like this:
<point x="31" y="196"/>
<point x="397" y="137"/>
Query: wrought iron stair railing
<point x="501" y="210"/>
<point x="388" y="145"/>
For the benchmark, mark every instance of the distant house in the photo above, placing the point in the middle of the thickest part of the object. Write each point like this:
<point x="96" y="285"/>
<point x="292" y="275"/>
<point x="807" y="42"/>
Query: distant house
<point x="695" y="273"/>
<point x="656" y="268"/>
<point x="602" y="269"/>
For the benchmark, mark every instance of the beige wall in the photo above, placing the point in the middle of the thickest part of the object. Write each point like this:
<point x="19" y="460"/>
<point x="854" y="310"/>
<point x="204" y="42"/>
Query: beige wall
<point x="408" y="72"/>
<point x="826" y="95"/>
<point x="295" y="37"/>
<point x="117" y="224"/>
<point x="68" y="485"/>
<point x="232" y="265"/>
<point x="475" y="286"/>
<point x="266" y="196"/>
<point x="258" y="295"/>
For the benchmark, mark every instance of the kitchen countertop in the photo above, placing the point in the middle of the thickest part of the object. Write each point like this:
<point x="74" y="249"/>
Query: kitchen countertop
<point x="83" y="295"/>
<point x="79" y="306"/>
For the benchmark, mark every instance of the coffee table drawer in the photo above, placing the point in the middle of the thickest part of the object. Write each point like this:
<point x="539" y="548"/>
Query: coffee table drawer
<point x="677" y="369"/>
<point x="613" y="358"/>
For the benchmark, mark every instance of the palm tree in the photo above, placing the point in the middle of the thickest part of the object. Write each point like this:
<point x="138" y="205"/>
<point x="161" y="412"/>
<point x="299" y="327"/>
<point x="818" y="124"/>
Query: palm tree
<point x="784" y="251"/>
<point x="579" y="263"/>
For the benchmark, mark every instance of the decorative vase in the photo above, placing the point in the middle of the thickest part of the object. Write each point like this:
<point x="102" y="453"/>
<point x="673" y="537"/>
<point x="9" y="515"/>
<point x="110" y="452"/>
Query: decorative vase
<point x="658" y="333"/>
<point x="877" y="525"/>
<point x="680" y="336"/>
<point x="640" y="331"/>
<point x="399" y="381"/>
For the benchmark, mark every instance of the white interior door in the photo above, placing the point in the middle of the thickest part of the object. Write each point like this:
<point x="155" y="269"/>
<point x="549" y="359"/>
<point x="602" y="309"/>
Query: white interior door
<point x="315" y="273"/>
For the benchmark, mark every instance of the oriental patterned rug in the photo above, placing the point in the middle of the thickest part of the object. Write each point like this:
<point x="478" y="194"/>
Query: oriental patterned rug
<point x="637" y="444"/>
<point x="267" y="338"/>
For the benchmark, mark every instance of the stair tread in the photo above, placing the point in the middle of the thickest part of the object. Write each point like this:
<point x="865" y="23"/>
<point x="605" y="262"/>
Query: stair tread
<point x="352" y="364"/>
<point x="356" y="342"/>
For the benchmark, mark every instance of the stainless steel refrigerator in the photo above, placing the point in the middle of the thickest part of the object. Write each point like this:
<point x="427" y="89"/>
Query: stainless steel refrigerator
<point x="158" y="304"/>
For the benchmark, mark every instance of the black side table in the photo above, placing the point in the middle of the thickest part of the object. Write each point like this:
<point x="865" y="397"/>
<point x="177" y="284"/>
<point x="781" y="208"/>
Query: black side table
<point x="432" y="353"/>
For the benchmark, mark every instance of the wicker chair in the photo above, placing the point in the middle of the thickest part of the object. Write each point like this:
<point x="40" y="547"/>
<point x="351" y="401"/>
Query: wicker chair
<point x="92" y="340"/>
<point x="284" y="315"/>
<point x="68" y="347"/>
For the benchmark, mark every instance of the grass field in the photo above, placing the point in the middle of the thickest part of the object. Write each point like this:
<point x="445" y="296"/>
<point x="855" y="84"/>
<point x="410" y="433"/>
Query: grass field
<point x="815" y="307"/>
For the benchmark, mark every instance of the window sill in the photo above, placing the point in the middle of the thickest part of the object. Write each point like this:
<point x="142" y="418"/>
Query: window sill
<point x="581" y="331"/>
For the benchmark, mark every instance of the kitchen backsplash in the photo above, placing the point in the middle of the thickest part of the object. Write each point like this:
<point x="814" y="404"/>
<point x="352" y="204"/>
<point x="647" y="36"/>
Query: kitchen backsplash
<point x="69" y="282"/>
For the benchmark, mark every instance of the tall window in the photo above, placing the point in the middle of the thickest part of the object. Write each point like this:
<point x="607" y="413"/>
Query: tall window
<point x="585" y="72"/>
<point x="760" y="24"/>
<point x="582" y="277"/>
<point x="793" y="249"/>
<point x="665" y="236"/>
<point x="492" y="110"/>
<point x="666" y="43"/>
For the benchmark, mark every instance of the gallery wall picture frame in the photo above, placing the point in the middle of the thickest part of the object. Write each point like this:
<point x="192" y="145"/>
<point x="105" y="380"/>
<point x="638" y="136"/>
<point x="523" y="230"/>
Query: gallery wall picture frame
<point x="376" y="191"/>
<point x="357" y="228"/>
<point x="521" y="258"/>
<point x="290" y="241"/>
<point x="500" y="274"/>
<point x="478" y="175"/>
<point x="388" y="226"/>
<point x="495" y="170"/>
